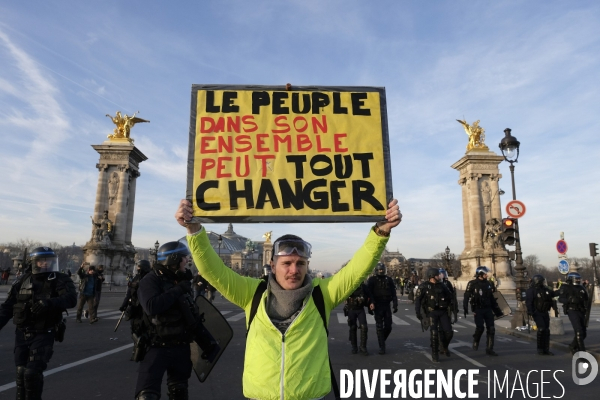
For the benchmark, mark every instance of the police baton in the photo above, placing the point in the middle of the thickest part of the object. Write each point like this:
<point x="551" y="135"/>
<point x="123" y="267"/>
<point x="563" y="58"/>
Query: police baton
<point x="119" y="321"/>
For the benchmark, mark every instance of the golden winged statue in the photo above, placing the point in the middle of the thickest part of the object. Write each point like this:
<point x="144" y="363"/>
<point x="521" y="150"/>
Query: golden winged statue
<point x="476" y="135"/>
<point x="124" y="124"/>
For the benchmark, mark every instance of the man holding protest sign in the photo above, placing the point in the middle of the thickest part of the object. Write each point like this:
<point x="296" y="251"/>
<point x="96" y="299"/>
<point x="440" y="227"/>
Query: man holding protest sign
<point x="288" y="337"/>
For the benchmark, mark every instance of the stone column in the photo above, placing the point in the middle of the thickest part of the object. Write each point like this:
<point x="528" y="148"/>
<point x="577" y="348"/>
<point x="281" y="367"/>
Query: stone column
<point x="131" y="205"/>
<point x="476" y="222"/>
<point x="101" y="191"/>
<point x="465" y="208"/>
<point x="496" y="210"/>
<point x="121" y="211"/>
<point x="118" y="165"/>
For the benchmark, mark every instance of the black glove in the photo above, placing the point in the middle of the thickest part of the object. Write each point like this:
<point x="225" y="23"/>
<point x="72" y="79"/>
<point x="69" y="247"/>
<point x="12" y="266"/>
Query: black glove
<point x="455" y="318"/>
<point x="395" y="310"/>
<point x="122" y="308"/>
<point x="40" y="306"/>
<point x="185" y="285"/>
<point x="420" y="316"/>
<point x="466" y="312"/>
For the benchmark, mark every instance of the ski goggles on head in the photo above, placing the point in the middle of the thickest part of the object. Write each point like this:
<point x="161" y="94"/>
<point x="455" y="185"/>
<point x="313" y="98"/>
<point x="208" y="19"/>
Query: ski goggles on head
<point x="288" y="247"/>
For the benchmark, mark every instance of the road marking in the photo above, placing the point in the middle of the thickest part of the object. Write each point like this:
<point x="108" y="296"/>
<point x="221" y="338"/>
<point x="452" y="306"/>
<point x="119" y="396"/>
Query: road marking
<point x="414" y="318"/>
<point x="237" y="317"/>
<point x="460" y="343"/>
<point x="399" y="321"/>
<point x="370" y="319"/>
<point x="464" y="321"/>
<point x="458" y="326"/>
<point x="73" y="364"/>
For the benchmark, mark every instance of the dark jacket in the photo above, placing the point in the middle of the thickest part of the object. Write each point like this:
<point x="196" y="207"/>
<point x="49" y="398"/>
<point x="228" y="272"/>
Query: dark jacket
<point x="539" y="299"/>
<point x="62" y="297"/>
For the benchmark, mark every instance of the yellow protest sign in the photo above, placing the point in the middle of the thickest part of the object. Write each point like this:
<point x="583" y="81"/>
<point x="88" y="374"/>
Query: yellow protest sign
<point x="309" y="154"/>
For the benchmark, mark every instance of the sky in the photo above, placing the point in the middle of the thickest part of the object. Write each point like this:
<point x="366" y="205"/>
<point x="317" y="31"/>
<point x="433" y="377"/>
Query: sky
<point x="530" y="66"/>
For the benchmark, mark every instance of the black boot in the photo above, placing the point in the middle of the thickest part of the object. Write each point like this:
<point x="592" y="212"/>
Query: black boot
<point x="381" y="340"/>
<point x="363" y="340"/>
<point x="573" y="346"/>
<point x="476" y="338"/>
<point x="435" y="343"/>
<point x="353" y="339"/>
<point x="547" y="351"/>
<point x="178" y="390"/>
<point x="579" y="336"/>
<point x="20" y="383"/>
<point x="490" y="343"/>
<point x="540" y="342"/>
<point x="34" y="384"/>
<point x="447" y="338"/>
<point x="147" y="395"/>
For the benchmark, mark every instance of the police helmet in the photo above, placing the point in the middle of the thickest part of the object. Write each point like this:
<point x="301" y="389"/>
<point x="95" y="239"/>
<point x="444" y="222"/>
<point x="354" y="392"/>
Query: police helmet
<point x="433" y="273"/>
<point x="171" y="253"/>
<point x="538" y="280"/>
<point x="43" y="259"/>
<point x="444" y="273"/>
<point x="380" y="269"/>
<point x="481" y="270"/>
<point x="143" y="267"/>
<point x="573" y="278"/>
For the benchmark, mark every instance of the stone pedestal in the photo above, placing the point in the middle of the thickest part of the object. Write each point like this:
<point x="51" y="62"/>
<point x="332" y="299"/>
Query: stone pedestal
<point x="482" y="219"/>
<point x="556" y="325"/>
<point x="110" y="244"/>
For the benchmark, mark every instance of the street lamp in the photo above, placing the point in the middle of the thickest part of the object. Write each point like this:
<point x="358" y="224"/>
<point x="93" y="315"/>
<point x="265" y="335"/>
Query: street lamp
<point x="260" y="262"/>
<point x="448" y="257"/>
<point x="220" y="241"/>
<point x="509" y="145"/>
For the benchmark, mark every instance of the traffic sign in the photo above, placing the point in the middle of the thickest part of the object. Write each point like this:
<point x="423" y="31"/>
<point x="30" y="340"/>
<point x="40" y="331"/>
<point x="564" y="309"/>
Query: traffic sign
<point x="561" y="246"/>
<point x="563" y="267"/>
<point x="515" y="209"/>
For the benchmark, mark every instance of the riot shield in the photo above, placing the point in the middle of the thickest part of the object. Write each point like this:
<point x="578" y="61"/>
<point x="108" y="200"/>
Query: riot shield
<point x="221" y="333"/>
<point x="588" y="306"/>
<point x="504" y="307"/>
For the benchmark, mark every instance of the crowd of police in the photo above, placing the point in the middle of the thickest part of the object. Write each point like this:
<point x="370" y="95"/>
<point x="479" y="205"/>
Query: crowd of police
<point x="164" y="318"/>
<point x="436" y="306"/>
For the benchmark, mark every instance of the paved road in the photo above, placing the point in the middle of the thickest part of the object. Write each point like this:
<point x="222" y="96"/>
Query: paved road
<point x="93" y="360"/>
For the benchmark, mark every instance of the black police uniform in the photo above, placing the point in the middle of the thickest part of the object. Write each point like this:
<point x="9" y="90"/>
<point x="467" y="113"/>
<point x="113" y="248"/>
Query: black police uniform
<point x="436" y="299"/>
<point x="574" y="299"/>
<point x="355" y="308"/>
<point x="163" y="294"/>
<point x="538" y="299"/>
<point x="483" y="305"/>
<point x="383" y="291"/>
<point x="454" y="307"/>
<point x="35" y="303"/>
<point x="135" y="314"/>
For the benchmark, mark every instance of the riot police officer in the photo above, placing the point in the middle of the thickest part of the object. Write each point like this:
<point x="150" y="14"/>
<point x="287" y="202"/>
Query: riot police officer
<point x="36" y="302"/>
<point x="538" y="300"/>
<point x="162" y="294"/>
<point x="434" y="298"/>
<point x="134" y="312"/>
<point x="452" y="310"/>
<point x="383" y="291"/>
<point x="480" y="294"/>
<point x="355" y="310"/>
<point x="575" y="301"/>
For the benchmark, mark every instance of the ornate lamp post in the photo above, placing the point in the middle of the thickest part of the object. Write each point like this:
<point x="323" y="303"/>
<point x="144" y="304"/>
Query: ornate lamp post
<point x="509" y="146"/>
<point x="220" y="241"/>
<point x="448" y="258"/>
<point x="260" y="262"/>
